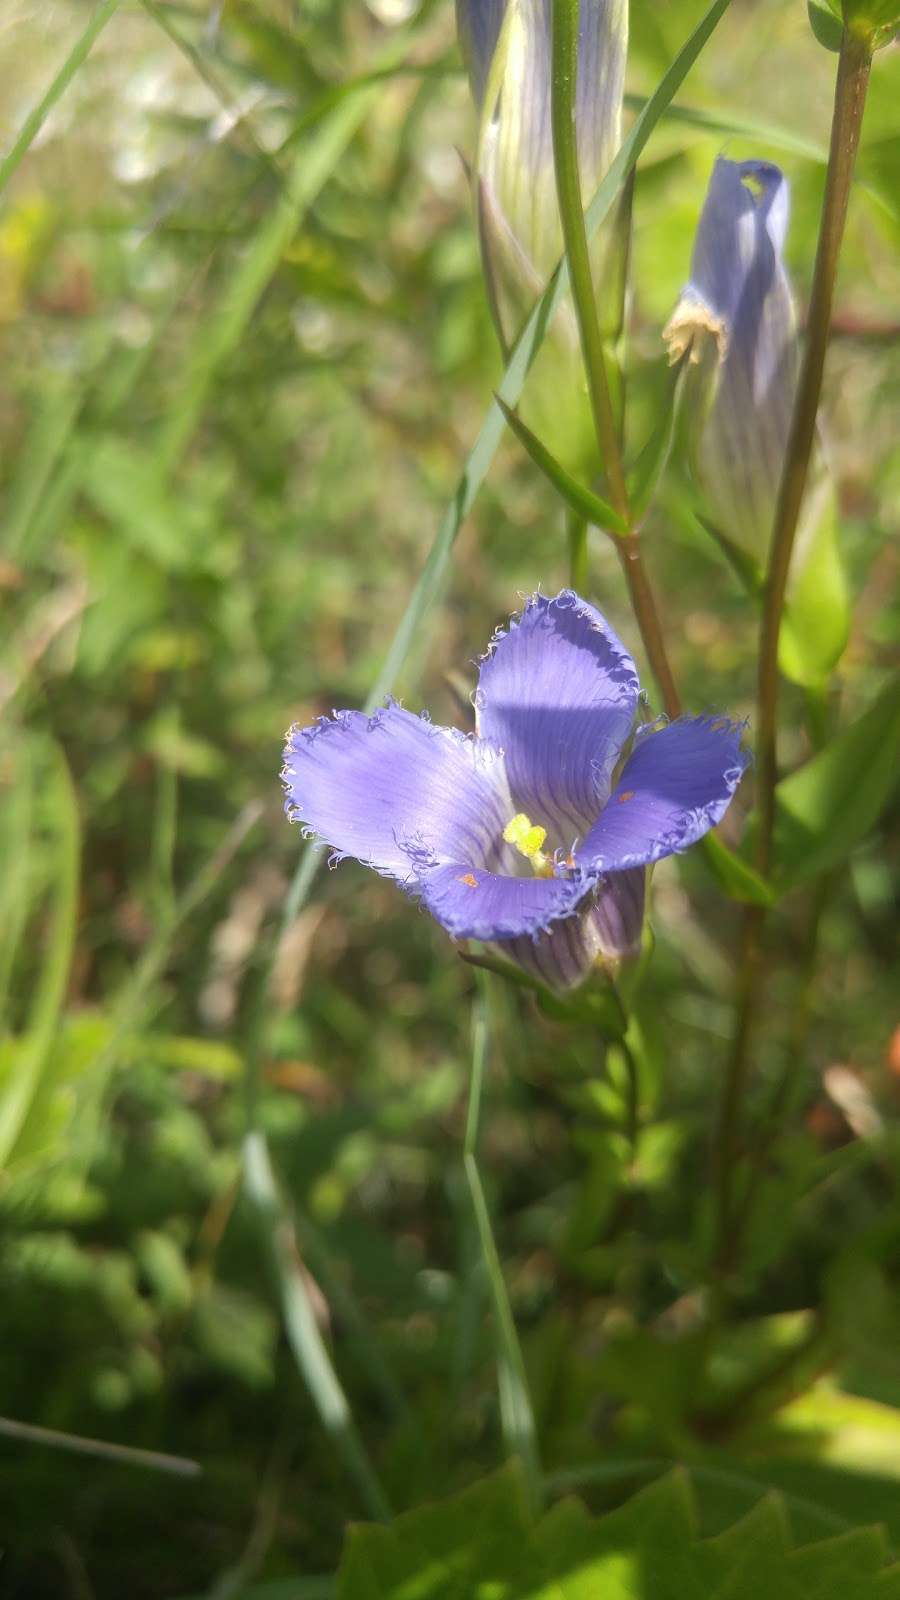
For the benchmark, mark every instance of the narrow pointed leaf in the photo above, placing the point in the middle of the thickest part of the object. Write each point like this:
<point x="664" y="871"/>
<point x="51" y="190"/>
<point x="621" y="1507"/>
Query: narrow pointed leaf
<point x="826" y="808"/>
<point x="646" y="473"/>
<point x="584" y="501"/>
<point x="735" y="875"/>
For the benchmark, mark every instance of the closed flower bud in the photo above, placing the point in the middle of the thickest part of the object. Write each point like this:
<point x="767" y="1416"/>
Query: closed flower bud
<point x="507" y="49"/>
<point x="736" y="325"/>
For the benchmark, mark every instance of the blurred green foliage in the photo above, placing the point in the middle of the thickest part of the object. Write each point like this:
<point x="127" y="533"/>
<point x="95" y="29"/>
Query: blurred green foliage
<point x="246" y="347"/>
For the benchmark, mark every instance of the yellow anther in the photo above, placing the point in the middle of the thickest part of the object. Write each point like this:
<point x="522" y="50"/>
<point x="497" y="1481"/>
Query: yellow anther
<point x="526" y="837"/>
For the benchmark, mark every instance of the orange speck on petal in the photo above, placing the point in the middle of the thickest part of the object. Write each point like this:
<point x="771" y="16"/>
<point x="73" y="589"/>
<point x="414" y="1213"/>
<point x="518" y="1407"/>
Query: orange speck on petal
<point x="469" y="879"/>
<point x="627" y="794"/>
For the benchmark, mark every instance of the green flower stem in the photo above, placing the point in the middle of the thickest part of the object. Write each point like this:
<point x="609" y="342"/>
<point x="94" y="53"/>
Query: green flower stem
<point x="568" y="188"/>
<point x="644" y="607"/>
<point x="576" y="528"/>
<point x="849" y="101"/>
<point x="516" y="1412"/>
<point x="571" y="210"/>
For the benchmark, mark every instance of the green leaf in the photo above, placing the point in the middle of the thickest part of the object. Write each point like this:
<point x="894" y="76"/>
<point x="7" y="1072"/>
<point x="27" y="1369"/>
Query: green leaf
<point x="645" y="475"/>
<point x="827" y="27"/>
<point x="33" y="1053"/>
<point x="457" y="1547"/>
<point x="582" y="500"/>
<point x="826" y="808"/>
<point x="817" y="615"/>
<point x="480" y="1545"/>
<point x="735" y="875"/>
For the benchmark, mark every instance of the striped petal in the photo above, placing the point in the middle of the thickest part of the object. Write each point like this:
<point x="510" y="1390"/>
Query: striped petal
<point x="606" y="927"/>
<point x="674" y="787"/>
<point x="397" y="792"/>
<point x="472" y="904"/>
<point x="558" y="693"/>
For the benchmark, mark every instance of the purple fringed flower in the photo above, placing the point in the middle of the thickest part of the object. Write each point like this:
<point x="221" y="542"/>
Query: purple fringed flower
<point x="521" y="835"/>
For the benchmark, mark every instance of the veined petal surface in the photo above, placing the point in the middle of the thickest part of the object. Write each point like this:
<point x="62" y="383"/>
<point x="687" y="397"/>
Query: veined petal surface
<point x="393" y="790"/>
<point x="606" y="926"/>
<point x="478" y="24"/>
<point x="674" y="787"/>
<point x="558" y="693"/>
<point x="472" y="904"/>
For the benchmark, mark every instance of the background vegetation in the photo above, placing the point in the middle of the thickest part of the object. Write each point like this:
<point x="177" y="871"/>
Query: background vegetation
<point x="245" y="347"/>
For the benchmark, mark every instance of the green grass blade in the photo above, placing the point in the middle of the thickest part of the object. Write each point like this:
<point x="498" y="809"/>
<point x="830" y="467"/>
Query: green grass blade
<point x="306" y="1341"/>
<point x="35" y="120"/>
<point x="33" y="1052"/>
<point x="587" y="504"/>
<point x="16" y="846"/>
<point x="312" y="166"/>
<point x="770" y="135"/>
<point x="516" y="1413"/>
<point x="44" y="445"/>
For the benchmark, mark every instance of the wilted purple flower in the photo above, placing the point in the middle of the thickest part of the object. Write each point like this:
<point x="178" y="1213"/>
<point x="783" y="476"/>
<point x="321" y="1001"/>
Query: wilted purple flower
<point x="738" y="308"/>
<point x="736" y="320"/>
<point x="521" y="835"/>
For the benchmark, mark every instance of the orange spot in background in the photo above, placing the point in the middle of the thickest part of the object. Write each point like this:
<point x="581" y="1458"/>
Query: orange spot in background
<point x="469" y="880"/>
<point x="627" y="794"/>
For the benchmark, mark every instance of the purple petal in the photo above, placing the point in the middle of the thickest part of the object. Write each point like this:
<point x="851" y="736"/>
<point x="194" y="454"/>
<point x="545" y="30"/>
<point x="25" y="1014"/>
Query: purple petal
<point x="472" y="904"/>
<point x="606" y="927"/>
<point x="394" y="791"/>
<point x="478" y="24"/>
<point x="557" y="694"/>
<point x="675" y="786"/>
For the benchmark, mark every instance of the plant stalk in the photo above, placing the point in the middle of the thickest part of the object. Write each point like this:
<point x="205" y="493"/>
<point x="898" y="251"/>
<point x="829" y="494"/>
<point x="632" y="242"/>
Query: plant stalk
<point x="849" y="101"/>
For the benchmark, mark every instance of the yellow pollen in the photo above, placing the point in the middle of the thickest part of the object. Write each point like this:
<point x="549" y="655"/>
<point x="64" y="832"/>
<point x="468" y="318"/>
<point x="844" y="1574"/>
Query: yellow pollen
<point x="690" y="328"/>
<point x="469" y="879"/>
<point x="627" y="794"/>
<point x="526" y="837"/>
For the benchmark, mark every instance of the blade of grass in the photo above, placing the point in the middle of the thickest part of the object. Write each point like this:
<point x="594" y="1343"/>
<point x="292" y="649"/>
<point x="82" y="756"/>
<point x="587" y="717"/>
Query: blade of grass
<point x="307" y="1345"/>
<point x="768" y="134"/>
<point x="35" y="120"/>
<point x="17" y="823"/>
<point x="33" y="1052"/>
<point x="312" y="165"/>
<point x="129" y="1010"/>
<point x="516" y="1413"/>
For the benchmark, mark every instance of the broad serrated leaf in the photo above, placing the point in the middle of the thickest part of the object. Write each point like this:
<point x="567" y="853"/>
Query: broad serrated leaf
<point x="480" y="1545"/>
<point x="837" y="1566"/>
<point x="447" y="1551"/>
